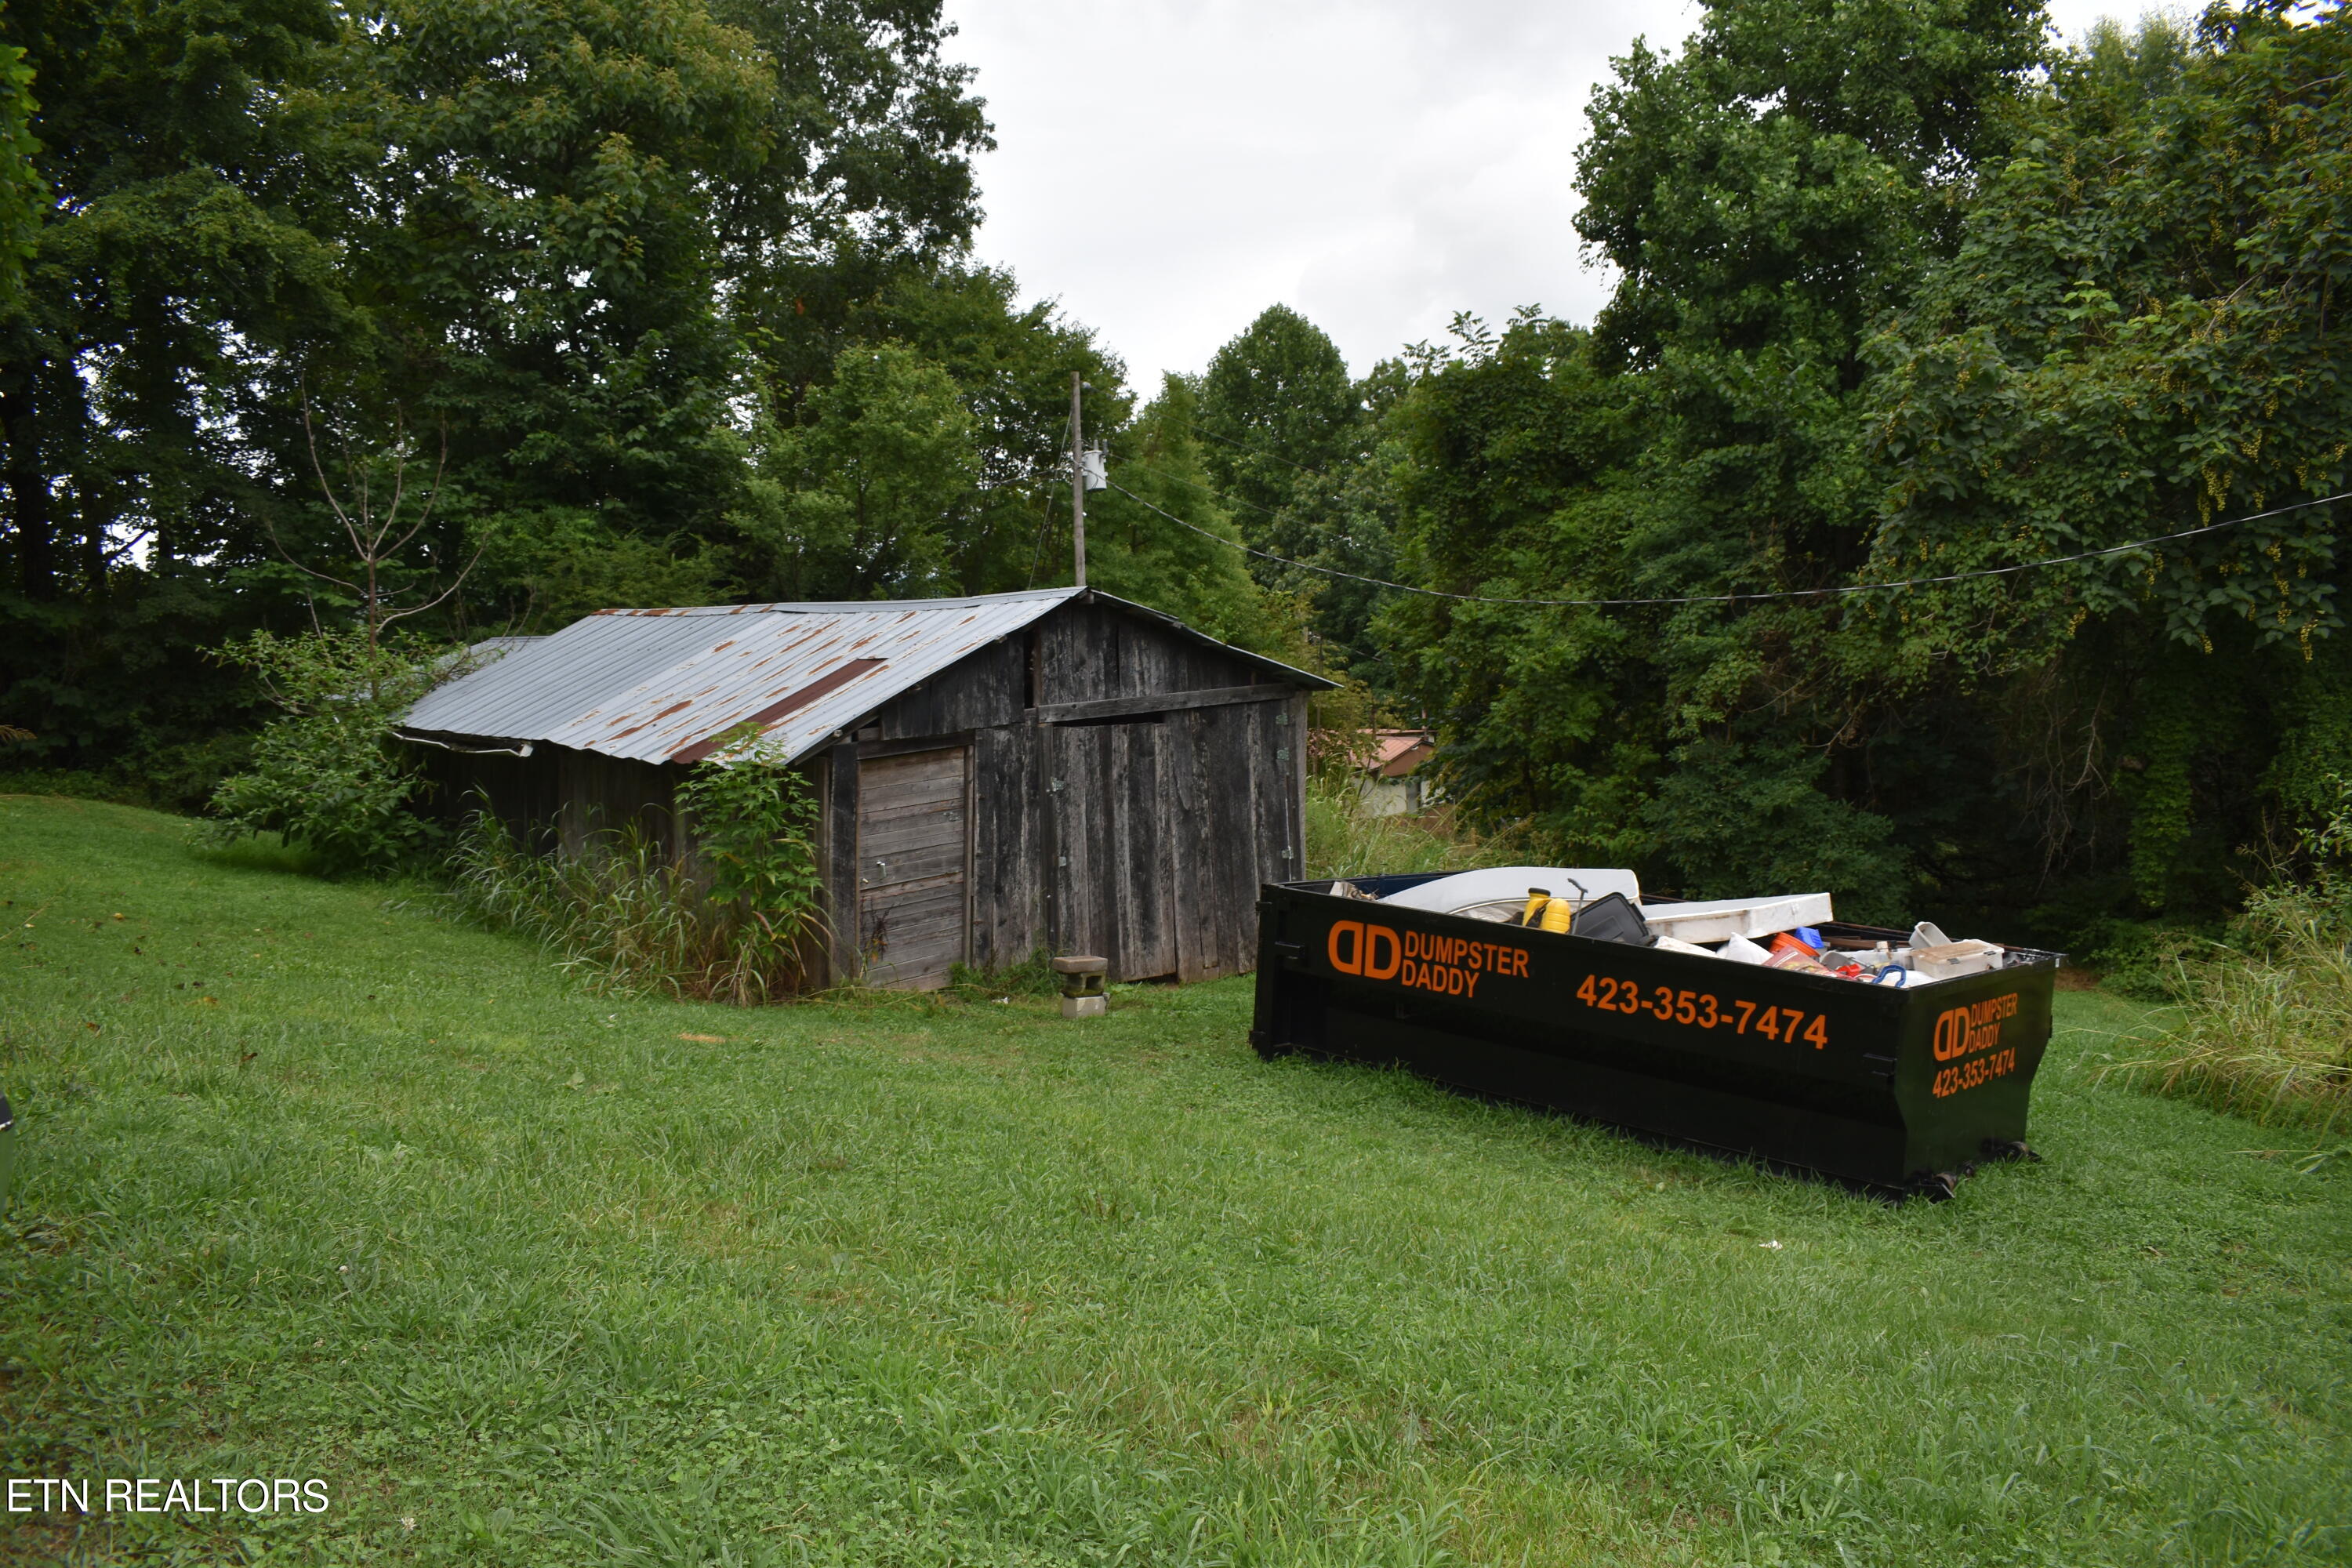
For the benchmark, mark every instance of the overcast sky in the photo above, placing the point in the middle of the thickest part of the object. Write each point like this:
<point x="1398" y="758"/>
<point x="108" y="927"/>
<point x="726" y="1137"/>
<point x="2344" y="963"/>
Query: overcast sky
<point x="1168" y="168"/>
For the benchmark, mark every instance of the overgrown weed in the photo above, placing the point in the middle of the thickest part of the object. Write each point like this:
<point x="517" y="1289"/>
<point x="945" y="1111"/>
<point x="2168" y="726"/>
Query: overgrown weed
<point x="2264" y="1026"/>
<point x="1032" y="976"/>
<point x="1346" y="839"/>
<point x="738" y="921"/>
<point x="627" y="917"/>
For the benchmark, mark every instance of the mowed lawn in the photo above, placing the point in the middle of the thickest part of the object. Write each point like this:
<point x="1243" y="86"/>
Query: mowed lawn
<point x="312" y="1181"/>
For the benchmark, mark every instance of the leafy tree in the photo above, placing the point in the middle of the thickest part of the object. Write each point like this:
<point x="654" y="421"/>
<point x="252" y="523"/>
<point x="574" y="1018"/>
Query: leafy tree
<point x="21" y="187"/>
<point x="1294" y="447"/>
<point x="1511" y="452"/>
<point x="325" y="775"/>
<point x="550" y="231"/>
<point x="544" y="250"/>
<point x="2140" y="333"/>
<point x="853" y="503"/>
<point x="870" y="196"/>
<point x="1010" y="363"/>
<point x="1137" y="554"/>
<point x="1764" y="195"/>
<point x="187" y="236"/>
<point x="1276" y="405"/>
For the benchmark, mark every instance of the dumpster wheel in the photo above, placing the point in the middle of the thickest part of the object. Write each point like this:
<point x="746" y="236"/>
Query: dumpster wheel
<point x="1936" y="1186"/>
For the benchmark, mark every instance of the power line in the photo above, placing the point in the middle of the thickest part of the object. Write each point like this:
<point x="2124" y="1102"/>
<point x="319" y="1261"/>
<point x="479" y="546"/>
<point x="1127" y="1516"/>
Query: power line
<point x="1212" y="491"/>
<point x="1745" y="598"/>
<point x="1255" y="451"/>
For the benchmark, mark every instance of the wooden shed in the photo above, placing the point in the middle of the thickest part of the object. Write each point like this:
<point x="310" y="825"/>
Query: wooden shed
<point x="1060" y="770"/>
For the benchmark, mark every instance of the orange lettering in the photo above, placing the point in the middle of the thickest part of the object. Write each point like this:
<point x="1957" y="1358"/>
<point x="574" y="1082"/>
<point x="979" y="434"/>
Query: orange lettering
<point x="1951" y="1034"/>
<point x="1376" y="967"/>
<point x="1354" y="932"/>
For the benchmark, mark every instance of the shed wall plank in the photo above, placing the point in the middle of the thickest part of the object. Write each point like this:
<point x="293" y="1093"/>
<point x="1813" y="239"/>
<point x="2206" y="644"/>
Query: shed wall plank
<point x="1007" y="891"/>
<point x="981" y="690"/>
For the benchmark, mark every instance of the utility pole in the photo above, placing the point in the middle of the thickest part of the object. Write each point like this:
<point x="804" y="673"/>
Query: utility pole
<point x="1078" y="473"/>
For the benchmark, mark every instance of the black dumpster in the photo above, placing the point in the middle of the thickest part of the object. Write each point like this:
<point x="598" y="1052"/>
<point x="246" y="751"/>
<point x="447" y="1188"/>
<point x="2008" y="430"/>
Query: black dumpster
<point x="1887" y="1087"/>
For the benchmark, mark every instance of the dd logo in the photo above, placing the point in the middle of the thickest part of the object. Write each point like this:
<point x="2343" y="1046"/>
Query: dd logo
<point x="1370" y="951"/>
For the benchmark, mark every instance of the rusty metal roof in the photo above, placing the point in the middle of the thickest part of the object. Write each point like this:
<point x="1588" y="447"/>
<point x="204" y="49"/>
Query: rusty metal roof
<point x="660" y="686"/>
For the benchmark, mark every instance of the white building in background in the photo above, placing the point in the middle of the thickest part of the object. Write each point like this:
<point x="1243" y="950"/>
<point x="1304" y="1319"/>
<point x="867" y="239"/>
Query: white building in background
<point x="1391" y="782"/>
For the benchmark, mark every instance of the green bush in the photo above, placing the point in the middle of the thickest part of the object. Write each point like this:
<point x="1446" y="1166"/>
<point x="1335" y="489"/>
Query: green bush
<point x="754" y="822"/>
<point x="326" y="777"/>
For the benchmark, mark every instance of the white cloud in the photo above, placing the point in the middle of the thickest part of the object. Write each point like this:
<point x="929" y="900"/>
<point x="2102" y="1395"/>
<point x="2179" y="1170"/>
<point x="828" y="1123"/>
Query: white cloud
<point x="1166" y="170"/>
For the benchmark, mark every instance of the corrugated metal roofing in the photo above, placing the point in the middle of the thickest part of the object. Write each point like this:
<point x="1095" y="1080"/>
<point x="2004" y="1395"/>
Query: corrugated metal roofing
<point x="658" y="685"/>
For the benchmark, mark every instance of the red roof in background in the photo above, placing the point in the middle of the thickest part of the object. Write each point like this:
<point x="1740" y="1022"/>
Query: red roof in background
<point x="1400" y="751"/>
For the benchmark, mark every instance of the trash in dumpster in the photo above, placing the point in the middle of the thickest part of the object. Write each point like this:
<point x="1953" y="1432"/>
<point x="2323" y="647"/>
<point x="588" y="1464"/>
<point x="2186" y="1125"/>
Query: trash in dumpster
<point x="1849" y="1056"/>
<point x="1781" y="932"/>
<point x="1676" y="944"/>
<point x="1952" y="959"/>
<point x="1791" y="956"/>
<point x="1716" y="920"/>
<point x="1612" y="917"/>
<point x="1500" y="892"/>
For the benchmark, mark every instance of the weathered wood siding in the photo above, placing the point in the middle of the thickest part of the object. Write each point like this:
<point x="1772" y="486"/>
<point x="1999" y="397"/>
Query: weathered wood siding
<point x="611" y="795"/>
<point x="1092" y="650"/>
<point x="556" y="798"/>
<point x="521" y="792"/>
<point x="1140" y="835"/>
<point x="981" y="692"/>
<point x="1008" y="901"/>
<point x="1163" y="823"/>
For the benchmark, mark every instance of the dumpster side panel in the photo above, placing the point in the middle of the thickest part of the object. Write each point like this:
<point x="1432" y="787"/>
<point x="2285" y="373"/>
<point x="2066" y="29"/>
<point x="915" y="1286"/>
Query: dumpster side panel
<point x="1452" y="1051"/>
<point x="1797" y="1070"/>
<point x="1968" y="1052"/>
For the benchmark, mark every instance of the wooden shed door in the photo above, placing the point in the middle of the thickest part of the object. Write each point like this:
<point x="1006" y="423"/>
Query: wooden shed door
<point x="1115" y="844"/>
<point x="913" y="864"/>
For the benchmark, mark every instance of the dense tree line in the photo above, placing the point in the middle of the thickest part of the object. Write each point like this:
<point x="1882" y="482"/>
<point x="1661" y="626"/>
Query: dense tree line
<point x="1903" y="292"/>
<point x="675" y="301"/>
<point x="654" y="303"/>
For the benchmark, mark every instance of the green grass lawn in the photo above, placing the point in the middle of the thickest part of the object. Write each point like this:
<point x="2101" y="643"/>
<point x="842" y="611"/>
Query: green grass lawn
<point x="312" y="1181"/>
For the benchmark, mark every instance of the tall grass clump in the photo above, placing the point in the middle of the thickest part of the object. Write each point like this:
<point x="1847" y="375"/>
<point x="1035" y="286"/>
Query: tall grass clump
<point x="737" y="921"/>
<point x="2263" y="1020"/>
<point x="1344" y="839"/>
